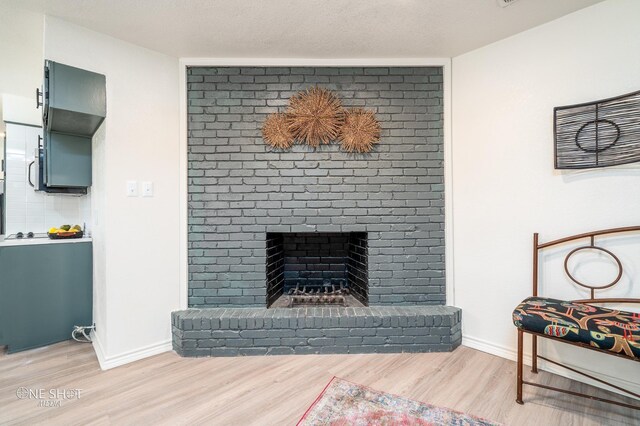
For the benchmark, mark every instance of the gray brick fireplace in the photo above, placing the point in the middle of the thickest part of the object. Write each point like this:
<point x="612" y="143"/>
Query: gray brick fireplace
<point x="242" y="193"/>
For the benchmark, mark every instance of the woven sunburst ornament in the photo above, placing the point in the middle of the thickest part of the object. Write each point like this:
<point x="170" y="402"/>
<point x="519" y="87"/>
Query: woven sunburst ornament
<point x="275" y="131"/>
<point x="315" y="116"/>
<point x="360" y="130"/>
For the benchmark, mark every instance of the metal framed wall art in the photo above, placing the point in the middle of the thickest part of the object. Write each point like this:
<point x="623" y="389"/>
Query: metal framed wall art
<point x="598" y="134"/>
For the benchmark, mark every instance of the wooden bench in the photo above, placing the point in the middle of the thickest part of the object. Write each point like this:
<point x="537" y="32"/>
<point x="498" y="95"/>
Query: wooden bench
<point x="578" y="322"/>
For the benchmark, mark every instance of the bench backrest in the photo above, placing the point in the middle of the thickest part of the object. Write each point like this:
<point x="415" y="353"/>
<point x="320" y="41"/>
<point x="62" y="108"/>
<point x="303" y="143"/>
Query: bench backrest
<point x="591" y="238"/>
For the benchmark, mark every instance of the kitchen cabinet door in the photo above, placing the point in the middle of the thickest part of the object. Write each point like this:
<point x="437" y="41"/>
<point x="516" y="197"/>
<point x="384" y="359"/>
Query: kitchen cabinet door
<point x="68" y="160"/>
<point x="75" y="100"/>
<point x="45" y="290"/>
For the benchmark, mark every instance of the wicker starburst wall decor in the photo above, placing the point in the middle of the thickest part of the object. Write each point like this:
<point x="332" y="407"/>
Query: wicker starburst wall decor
<point x="360" y="131"/>
<point x="315" y="116"/>
<point x="275" y="131"/>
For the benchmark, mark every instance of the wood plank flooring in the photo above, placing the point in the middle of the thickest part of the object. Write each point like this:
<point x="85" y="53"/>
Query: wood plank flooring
<point x="276" y="390"/>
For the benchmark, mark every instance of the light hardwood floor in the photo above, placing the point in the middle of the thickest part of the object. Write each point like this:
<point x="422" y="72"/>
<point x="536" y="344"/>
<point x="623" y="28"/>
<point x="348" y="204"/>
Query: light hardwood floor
<point x="276" y="390"/>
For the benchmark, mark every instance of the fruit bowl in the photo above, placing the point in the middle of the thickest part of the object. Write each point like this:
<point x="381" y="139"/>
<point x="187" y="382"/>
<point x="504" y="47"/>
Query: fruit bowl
<point x="67" y="235"/>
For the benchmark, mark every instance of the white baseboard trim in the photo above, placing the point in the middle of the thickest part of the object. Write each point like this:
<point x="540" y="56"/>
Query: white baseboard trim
<point x="108" y="362"/>
<point x="510" y="353"/>
<point x="493" y="349"/>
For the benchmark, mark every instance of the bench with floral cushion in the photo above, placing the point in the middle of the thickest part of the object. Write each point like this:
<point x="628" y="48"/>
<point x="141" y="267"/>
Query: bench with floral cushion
<point x="578" y="322"/>
<point x="598" y="328"/>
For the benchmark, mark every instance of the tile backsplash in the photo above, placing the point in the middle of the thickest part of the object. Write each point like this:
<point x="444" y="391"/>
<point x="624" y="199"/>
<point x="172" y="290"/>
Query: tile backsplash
<point x="26" y="209"/>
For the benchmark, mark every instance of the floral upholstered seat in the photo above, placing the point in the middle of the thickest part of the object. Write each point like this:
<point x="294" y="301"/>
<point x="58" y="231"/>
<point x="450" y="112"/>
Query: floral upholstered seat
<point x="601" y="328"/>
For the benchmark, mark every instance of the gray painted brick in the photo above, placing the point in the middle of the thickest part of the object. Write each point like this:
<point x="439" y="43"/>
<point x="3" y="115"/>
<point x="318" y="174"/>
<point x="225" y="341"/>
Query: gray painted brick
<point x="237" y="185"/>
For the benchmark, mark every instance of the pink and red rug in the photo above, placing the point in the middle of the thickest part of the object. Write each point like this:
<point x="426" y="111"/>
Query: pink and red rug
<point x="343" y="403"/>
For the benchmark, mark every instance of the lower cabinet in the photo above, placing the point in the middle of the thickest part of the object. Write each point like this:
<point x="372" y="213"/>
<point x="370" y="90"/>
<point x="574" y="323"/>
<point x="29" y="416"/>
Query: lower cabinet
<point x="45" y="290"/>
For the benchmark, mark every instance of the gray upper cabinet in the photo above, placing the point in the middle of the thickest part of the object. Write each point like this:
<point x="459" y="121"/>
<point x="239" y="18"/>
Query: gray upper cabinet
<point x="68" y="160"/>
<point x="75" y="100"/>
<point x="75" y="105"/>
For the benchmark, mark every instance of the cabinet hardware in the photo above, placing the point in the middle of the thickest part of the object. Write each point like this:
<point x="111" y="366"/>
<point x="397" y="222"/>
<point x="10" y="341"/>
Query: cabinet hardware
<point x="38" y="98"/>
<point x="29" y="173"/>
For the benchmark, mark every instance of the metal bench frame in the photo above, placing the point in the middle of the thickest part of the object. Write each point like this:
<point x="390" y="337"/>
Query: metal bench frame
<point x="537" y="246"/>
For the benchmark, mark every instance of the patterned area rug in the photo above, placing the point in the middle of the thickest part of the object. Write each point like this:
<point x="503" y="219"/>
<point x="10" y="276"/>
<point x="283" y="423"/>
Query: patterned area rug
<point x="343" y="403"/>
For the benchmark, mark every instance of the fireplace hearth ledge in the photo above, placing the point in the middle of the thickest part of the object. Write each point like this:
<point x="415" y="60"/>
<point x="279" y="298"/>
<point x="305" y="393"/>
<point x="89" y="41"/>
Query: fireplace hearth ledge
<point x="315" y="330"/>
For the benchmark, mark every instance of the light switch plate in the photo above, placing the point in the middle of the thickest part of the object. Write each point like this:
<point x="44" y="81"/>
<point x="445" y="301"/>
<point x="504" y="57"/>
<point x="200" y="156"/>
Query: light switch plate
<point x="132" y="188"/>
<point x="147" y="189"/>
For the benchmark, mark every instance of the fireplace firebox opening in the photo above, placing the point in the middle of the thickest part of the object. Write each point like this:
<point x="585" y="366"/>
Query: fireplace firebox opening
<point x="317" y="269"/>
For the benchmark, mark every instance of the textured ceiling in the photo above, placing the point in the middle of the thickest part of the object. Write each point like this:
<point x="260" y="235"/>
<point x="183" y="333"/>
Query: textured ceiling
<point x="307" y="28"/>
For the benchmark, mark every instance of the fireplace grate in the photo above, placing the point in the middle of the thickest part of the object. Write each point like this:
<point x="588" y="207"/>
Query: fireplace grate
<point x="328" y="295"/>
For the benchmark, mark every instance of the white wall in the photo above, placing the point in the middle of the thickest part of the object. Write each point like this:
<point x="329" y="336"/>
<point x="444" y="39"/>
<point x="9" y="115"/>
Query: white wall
<point x="21" y="53"/>
<point x="21" y="109"/>
<point x="135" y="239"/>
<point x="21" y="61"/>
<point x="504" y="184"/>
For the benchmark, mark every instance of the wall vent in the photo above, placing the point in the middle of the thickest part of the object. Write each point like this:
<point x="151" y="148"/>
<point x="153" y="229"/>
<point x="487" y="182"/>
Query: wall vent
<point x="505" y="3"/>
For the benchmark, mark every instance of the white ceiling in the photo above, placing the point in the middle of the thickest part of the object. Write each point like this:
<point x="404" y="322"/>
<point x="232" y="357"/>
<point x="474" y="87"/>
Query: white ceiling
<point x="307" y="28"/>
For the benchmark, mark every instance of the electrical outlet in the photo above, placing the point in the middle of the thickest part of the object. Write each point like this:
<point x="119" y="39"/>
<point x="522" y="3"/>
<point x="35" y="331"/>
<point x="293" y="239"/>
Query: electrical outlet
<point x="147" y="189"/>
<point x="132" y="188"/>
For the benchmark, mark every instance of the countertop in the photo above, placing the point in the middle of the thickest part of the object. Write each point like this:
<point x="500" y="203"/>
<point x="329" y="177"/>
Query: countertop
<point x="37" y="241"/>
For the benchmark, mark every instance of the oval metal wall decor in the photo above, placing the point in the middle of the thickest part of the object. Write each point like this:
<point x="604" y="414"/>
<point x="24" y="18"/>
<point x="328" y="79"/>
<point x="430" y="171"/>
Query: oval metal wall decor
<point x="598" y="134"/>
